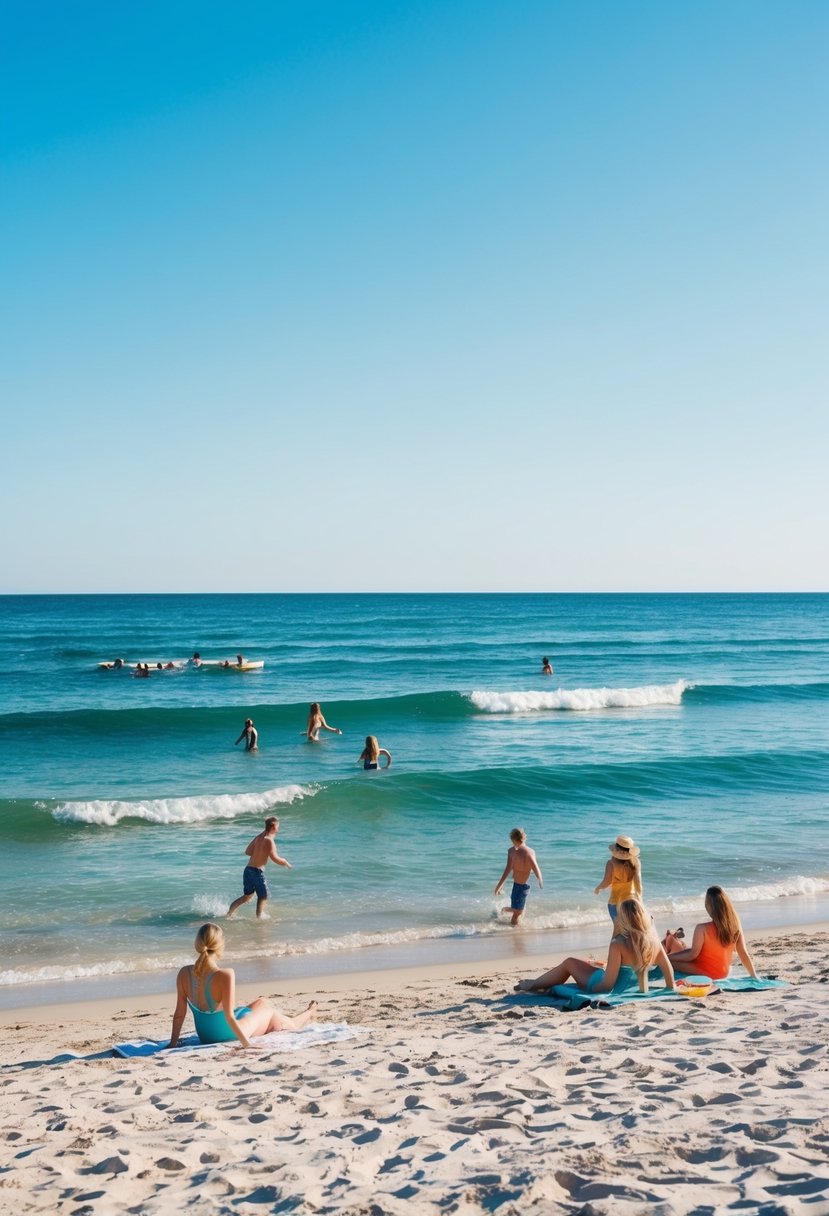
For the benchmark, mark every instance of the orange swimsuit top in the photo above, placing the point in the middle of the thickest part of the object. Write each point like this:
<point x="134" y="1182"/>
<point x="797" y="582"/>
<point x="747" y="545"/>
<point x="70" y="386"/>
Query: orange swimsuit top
<point x="714" y="959"/>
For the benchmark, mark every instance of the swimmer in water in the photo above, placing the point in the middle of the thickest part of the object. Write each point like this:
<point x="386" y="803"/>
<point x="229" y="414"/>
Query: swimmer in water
<point x="371" y="753"/>
<point x="251" y="736"/>
<point x="546" y="667"/>
<point x="316" y="723"/>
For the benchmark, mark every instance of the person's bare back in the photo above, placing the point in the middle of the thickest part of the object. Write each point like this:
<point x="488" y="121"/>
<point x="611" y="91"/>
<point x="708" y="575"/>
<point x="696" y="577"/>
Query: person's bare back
<point x="261" y="850"/>
<point x="522" y="862"/>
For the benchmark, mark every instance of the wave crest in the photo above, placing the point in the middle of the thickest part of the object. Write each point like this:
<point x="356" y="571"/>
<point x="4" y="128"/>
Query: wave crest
<point x="196" y="809"/>
<point x="579" y="699"/>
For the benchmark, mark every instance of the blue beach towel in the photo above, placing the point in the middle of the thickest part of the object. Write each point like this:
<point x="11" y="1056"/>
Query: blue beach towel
<point x="569" y="997"/>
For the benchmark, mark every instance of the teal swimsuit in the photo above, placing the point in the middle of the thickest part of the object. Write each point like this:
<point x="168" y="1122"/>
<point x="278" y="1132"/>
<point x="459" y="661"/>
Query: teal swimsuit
<point x="211" y="1023"/>
<point x="626" y="981"/>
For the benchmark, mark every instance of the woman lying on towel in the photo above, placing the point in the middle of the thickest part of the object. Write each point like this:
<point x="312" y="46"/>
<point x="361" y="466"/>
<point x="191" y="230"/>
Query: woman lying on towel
<point x="210" y="991"/>
<point x="632" y="951"/>
<point x="712" y="949"/>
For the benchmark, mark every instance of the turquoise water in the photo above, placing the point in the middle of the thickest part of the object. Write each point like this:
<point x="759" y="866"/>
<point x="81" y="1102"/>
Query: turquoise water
<point x="697" y="724"/>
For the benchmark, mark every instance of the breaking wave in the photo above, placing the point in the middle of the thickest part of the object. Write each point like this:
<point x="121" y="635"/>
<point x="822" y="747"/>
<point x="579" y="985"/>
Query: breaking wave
<point x="197" y="809"/>
<point x="579" y="699"/>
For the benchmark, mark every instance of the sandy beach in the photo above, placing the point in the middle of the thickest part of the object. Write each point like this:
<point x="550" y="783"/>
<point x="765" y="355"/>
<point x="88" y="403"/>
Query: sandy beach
<point x="453" y="1100"/>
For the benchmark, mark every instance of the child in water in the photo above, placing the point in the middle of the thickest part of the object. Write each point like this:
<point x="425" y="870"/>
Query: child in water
<point x="622" y="873"/>
<point x="371" y="753"/>
<point x="521" y="863"/>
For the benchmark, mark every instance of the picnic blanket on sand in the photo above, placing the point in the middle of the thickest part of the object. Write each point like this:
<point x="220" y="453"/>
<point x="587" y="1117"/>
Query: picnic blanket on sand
<point x="568" y="996"/>
<point x="280" y="1040"/>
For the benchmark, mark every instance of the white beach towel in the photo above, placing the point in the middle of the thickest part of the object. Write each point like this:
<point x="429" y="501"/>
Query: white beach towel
<point x="280" y="1040"/>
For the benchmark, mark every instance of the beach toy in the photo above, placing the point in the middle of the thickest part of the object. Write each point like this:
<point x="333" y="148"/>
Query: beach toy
<point x="695" y="985"/>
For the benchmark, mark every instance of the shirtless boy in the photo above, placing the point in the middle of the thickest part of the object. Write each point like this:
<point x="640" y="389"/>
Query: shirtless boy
<point x="261" y="850"/>
<point x="521" y="863"/>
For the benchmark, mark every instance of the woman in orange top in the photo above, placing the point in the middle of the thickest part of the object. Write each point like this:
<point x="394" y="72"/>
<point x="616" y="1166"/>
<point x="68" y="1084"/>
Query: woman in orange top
<point x="712" y="949"/>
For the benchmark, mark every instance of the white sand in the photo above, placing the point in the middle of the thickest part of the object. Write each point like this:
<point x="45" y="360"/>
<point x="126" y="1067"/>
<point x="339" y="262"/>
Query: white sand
<point x="455" y="1103"/>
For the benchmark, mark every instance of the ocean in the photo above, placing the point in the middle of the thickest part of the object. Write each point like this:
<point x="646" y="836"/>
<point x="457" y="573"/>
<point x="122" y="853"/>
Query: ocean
<point x="695" y="723"/>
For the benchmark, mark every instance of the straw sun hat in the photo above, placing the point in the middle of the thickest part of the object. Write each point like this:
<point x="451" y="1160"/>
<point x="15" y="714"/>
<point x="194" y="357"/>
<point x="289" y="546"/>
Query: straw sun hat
<point x="623" y="849"/>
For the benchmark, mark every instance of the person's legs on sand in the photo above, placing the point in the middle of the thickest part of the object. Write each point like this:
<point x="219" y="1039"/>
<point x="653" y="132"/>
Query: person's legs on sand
<point x="264" y="1019"/>
<point x="572" y="968"/>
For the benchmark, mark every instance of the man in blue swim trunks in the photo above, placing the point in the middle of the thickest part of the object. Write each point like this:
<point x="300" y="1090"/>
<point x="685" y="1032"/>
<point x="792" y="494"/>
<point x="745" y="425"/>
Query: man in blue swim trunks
<point x="261" y="850"/>
<point x="521" y="863"/>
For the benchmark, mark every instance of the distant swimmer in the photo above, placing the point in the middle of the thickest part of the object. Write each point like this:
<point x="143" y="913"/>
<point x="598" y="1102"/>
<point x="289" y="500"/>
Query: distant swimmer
<point x="169" y="666"/>
<point x="546" y="667"/>
<point x="261" y="850"/>
<point x="240" y="660"/>
<point x="371" y="753"/>
<point x="250" y="735"/>
<point x="521" y="863"/>
<point x="316" y="723"/>
<point x="160" y="666"/>
<point x="196" y="660"/>
<point x="142" y="671"/>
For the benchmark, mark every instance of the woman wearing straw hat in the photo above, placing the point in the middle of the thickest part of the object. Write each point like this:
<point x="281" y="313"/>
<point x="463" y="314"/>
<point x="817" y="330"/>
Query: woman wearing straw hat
<point x="622" y="874"/>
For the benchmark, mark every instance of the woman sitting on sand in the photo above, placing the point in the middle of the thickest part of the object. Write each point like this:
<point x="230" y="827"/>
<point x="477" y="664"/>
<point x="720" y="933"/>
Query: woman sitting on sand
<point x="371" y="753"/>
<point x="632" y="951"/>
<point x="712" y="949"/>
<point x="316" y="723"/>
<point x="622" y="873"/>
<point x="210" y="992"/>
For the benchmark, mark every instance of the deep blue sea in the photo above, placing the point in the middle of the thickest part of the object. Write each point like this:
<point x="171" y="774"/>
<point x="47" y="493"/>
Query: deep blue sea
<point x="695" y="723"/>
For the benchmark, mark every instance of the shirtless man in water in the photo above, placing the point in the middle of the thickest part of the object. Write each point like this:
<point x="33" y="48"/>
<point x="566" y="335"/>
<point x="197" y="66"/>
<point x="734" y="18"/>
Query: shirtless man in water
<point x="250" y="735"/>
<point x="521" y="863"/>
<point x="261" y="850"/>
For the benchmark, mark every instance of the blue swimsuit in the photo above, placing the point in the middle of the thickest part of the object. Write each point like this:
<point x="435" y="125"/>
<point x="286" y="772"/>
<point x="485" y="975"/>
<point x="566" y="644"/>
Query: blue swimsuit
<point x="626" y="981"/>
<point x="211" y="1023"/>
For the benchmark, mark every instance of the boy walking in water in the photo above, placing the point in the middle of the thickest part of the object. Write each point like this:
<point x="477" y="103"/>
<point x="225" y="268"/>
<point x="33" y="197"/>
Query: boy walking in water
<point x="521" y="863"/>
<point x="261" y="850"/>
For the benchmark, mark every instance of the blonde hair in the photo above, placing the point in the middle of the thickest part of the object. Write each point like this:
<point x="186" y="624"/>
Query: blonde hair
<point x="518" y="835"/>
<point x="372" y="748"/>
<point x="210" y="939"/>
<point x="634" y="924"/>
<point x="723" y="914"/>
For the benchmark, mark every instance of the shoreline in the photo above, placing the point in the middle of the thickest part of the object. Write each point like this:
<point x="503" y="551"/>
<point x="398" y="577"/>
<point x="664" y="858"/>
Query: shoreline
<point x="472" y="957"/>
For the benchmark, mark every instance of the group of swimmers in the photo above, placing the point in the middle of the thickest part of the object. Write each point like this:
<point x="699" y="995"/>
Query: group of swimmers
<point x="370" y="757"/>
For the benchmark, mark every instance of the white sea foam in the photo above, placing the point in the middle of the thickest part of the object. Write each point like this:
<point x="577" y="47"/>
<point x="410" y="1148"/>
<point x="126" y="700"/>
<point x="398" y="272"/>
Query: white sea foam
<point x="210" y="905"/>
<point x="196" y="809"/>
<point x="50" y="973"/>
<point x="580" y="699"/>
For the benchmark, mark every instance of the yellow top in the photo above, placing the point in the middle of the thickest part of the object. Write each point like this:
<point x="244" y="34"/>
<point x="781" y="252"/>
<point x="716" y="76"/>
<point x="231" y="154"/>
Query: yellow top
<point x="623" y="888"/>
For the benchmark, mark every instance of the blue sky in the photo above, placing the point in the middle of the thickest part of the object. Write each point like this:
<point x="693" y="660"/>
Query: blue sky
<point x="414" y="296"/>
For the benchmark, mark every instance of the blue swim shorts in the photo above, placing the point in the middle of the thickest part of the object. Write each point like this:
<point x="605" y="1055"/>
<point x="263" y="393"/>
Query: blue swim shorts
<point x="254" y="882"/>
<point x="518" y="899"/>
